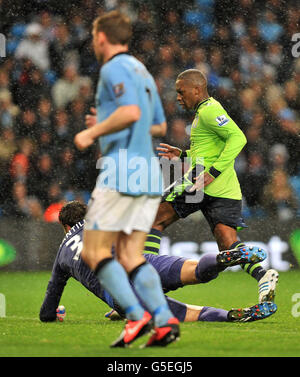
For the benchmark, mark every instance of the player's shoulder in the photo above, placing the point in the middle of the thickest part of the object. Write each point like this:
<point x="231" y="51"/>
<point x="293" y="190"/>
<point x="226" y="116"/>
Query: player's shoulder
<point x="213" y="111"/>
<point x="210" y="106"/>
<point x="120" y="63"/>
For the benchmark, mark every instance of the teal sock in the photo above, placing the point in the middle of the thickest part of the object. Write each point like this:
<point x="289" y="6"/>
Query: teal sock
<point x="114" y="279"/>
<point x="146" y="282"/>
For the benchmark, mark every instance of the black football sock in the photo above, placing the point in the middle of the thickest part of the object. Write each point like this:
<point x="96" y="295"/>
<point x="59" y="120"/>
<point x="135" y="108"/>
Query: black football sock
<point x="152" y="243"/>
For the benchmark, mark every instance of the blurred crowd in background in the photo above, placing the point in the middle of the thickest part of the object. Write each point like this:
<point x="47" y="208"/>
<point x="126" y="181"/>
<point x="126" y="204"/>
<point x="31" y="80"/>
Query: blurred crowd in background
<point x="48" y="78"/>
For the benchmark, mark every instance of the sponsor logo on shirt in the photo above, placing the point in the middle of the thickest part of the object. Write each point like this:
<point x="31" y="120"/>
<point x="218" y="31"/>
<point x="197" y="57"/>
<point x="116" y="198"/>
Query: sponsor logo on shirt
<point x="222" y="120"/>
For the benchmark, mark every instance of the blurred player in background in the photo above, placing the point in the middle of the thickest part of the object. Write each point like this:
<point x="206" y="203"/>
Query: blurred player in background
<point x="216" y="141"/>
<point x="127" y="105"/>
<point x="175" y="272"/>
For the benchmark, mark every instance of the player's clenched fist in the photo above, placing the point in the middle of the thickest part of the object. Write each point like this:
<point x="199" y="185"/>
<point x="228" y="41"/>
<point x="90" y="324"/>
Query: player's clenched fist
<point x="91" y="119"/>
<point x="83" y="139"/>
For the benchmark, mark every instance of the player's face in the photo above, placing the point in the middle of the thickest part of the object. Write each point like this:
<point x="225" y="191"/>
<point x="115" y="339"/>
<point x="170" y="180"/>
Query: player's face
<point x="186" y="95"/>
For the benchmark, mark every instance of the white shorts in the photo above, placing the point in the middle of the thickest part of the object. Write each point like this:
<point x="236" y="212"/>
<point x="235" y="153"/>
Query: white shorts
<point x="114" y="212"/>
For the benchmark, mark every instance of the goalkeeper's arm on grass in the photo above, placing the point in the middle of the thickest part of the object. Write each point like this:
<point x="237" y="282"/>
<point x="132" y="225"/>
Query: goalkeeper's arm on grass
<point x="53" y="294"/>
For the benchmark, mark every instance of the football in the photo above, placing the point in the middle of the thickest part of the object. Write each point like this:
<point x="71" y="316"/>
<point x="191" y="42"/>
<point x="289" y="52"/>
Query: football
<point x="60" y="313"/>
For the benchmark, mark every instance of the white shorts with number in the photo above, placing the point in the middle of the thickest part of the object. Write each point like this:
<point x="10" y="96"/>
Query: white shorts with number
<point x="112" y="211"/>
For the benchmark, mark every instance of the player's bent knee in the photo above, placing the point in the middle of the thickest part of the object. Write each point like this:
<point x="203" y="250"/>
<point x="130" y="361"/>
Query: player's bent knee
<point x="188" y="272"/>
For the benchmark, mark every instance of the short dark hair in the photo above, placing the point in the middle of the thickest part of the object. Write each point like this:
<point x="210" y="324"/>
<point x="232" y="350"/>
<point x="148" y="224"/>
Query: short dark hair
<point x="116" y="26"/>
<point x="193" y="75"/>
<point x="72" y="213"/>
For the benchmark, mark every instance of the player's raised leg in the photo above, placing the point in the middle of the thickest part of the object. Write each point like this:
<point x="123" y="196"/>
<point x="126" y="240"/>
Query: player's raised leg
<point x="232" y="251"/>
<point x="165" y="216"/>
<point x="176" y="272"/>
<point x="249" y="259"/>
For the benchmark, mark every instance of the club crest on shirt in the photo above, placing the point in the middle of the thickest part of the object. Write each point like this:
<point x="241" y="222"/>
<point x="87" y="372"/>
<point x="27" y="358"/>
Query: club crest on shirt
<point x="222" y="120"/>
<point x="119" y="89"/>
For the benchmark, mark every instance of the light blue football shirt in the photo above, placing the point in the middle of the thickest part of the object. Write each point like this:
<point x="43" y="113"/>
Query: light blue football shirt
<point x="128" y="163"/>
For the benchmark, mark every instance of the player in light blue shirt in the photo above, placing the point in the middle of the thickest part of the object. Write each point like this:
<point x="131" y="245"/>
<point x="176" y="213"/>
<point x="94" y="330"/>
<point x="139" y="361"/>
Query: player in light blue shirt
<point x="124" y="81"/>
<point x="126" y="198"/>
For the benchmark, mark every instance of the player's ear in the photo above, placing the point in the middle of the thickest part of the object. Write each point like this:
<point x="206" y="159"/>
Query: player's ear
<point x="196" y="91"/>
<point x="101" y="37"/>
<point x="66" y="228"/>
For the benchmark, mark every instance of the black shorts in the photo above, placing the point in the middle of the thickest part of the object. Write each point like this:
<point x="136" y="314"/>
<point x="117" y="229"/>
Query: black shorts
<point x="216" y="210"/>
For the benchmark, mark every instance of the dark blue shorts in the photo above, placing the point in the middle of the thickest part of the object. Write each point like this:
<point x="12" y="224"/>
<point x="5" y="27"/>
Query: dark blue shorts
<point x="216" y="210"/>
<point x="168" y="268"/>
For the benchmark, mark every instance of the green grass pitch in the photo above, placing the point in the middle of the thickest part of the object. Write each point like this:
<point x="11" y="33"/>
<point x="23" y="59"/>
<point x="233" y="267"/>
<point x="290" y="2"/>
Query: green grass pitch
<point x="85" y="331"/>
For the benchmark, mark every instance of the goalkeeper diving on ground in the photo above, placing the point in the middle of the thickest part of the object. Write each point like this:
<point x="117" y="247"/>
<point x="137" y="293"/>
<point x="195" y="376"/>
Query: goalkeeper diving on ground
<point x="175" y="272"/>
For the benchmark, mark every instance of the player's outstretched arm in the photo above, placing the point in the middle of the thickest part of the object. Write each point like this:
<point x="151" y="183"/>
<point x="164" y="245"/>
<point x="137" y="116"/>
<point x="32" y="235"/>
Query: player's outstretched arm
<point x="53" y="295"/>
<point x="50" y="304"/>
<point x="169" y="152"/>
